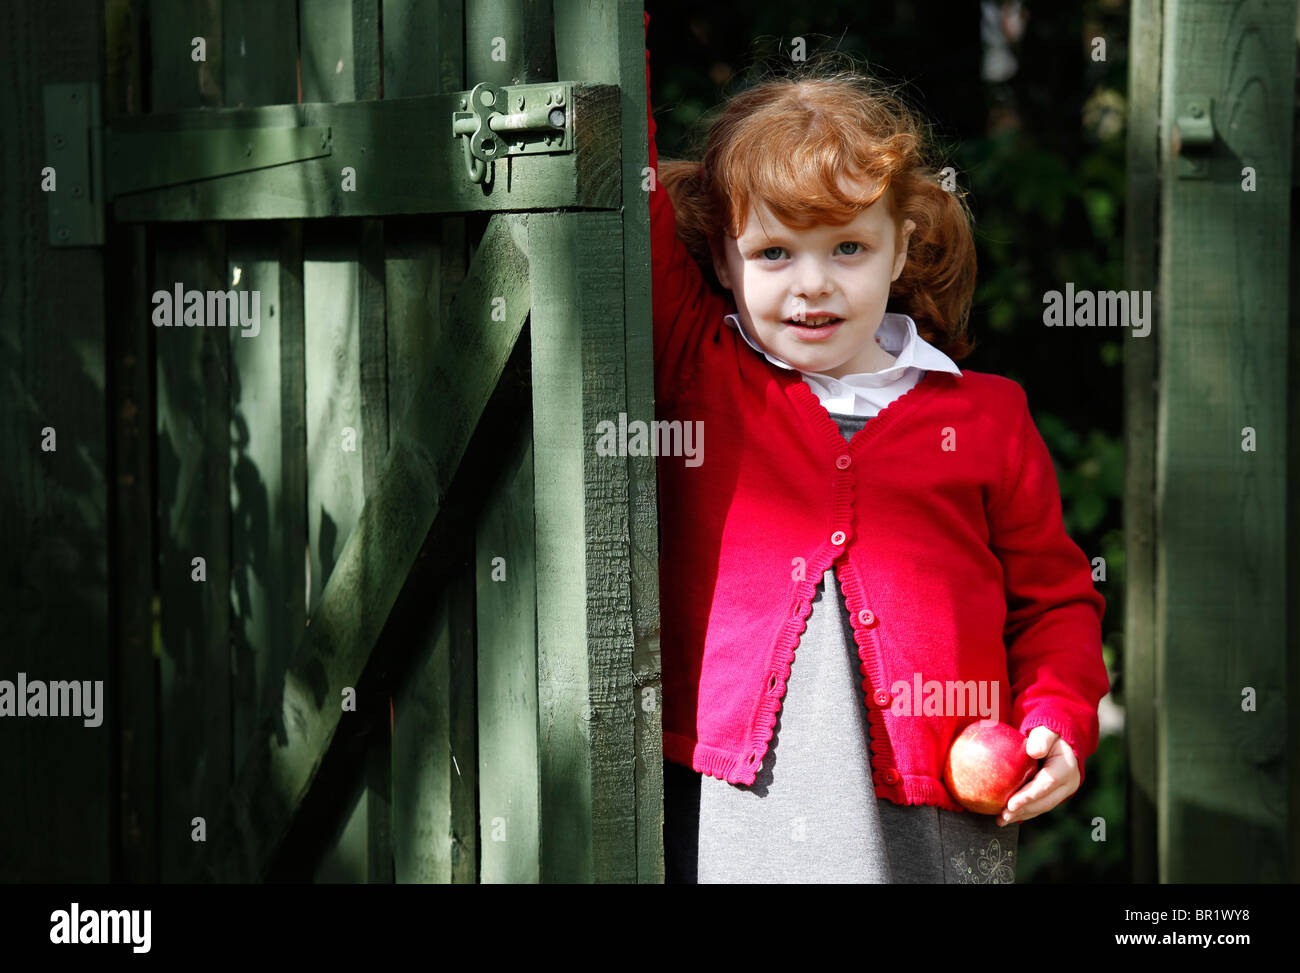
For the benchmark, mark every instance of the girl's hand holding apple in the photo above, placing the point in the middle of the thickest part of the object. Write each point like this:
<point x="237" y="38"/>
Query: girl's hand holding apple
<point x="992" y="768"/>
<point x="1057" y="780"/>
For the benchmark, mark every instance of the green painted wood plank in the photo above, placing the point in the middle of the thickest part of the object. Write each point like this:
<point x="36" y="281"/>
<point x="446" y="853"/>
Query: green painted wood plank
<point x="193" y="421"/>
<point x="193" y="373"/>
<point x="506" y="587"/>
<point x="461" y="701"/>
<point x="366" y="72"/>
<point x="416" y="301"/>
<point x="1293" y="549"/>
<point x="123" y="70"/>
<point x="292" y="496"/>
<point x="606" y="45"/>
<point x="423" y="47"/>
<point x="261" y="38"/>
<point x="374" y="418"/>
<point x="374" y="562"/>
<point x="260" y="551"/>
<point x="434" y="773"/>
<point x="335" y="435"/>
<point x="176" y="79"/>
<point x="373" y="331"/>
<point x="433" y="776"/>
<point x="267" y="537"/>
<point x="1141" y="229"/>
<point x="586" y="679"/>
<point x="335" y="491"/>
<point x="340" y="54"/>
<point x="56" y="814"/>
<point x="130" y="348"/>
<point x="432" y="841"/>
<point x="509" y="42"/>
<point x="131" y="351"/>
<point x="346" y="367"/>
<point x="1221" y="589"/>
<point x="395" y="148"/>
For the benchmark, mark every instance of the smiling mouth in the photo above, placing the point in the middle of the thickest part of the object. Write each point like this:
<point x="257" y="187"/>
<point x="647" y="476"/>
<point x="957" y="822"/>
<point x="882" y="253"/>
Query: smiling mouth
<point x="815" y="322"/>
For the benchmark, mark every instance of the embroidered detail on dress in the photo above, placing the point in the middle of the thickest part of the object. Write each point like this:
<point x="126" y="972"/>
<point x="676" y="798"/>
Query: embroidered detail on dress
<point x="991" y="865"/>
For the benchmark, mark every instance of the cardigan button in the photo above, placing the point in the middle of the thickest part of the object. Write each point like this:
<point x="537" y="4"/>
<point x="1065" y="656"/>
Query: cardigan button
<point x="882" y="698"/>
<point x="843" y="461"/>
<point x="892" y="776"/>
<point x="867" y="617"/>
<point x="838" y="538"/>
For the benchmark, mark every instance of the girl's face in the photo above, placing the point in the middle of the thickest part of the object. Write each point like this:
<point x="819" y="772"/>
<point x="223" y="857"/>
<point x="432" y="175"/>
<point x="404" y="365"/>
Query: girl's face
<point x="785" y="279"/>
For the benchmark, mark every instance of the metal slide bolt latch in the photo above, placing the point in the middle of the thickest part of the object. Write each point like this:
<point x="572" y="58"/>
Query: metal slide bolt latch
<point x="490" y="132"/>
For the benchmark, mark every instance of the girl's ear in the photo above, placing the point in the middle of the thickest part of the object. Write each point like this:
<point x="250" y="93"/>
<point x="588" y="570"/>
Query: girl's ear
<point x="900" y="260"/>
<point x="720" y="265"/>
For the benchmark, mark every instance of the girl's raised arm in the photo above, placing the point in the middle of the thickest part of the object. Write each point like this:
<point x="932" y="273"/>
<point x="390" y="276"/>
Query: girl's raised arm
<point x="684" y="307"/>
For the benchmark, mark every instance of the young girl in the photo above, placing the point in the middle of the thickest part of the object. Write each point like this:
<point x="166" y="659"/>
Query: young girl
<point x="865" y="507"/>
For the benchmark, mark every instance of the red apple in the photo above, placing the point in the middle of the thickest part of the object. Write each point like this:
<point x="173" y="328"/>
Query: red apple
<point x="986" y="764"/>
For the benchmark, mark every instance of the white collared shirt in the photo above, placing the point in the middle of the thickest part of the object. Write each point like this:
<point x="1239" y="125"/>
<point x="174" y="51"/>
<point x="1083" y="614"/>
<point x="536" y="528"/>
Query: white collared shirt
<point x="866" y="393"/>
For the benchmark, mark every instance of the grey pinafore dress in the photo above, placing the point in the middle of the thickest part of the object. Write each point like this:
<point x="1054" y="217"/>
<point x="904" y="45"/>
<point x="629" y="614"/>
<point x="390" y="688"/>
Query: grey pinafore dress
<point x="811" y="814"/>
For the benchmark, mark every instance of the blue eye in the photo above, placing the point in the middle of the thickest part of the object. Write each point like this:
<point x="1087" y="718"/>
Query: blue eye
<point x="849" y="243"/>
<point x="779" y="250"/>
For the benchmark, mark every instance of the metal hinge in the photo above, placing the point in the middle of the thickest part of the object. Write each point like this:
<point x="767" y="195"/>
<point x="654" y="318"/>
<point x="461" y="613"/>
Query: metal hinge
<point x="72" y="177"/>
<point x="513" y="120"/>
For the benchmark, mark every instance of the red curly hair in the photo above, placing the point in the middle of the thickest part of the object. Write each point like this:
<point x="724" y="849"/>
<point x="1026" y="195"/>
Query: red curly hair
<point x="786" y="141"/>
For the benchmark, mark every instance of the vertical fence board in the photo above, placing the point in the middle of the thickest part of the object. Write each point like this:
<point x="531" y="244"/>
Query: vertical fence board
<point x="334" y="427"/>
<point x="267" y="538"/>
<point x="606" y="44"/>
<point x="176" y="79"/>
<point x="1141" y="230"/>
<point x="193" y="374"/>
<point x="433" y="823"/>
<point x="434" y="802"/>
<point x="261" y="45"/>
<point x="584" y="639"/>
<point x="505" y="569"/>
<point x="424" y="47"/>
<point x="335" y="484"/>
<point x="194" y="521"/>
<point x="260" y="551"/>
<point x="293" y="460"/>
<point x="508" y="41"/>
<point x="375" y="438"/>
<point x="433" y="775"/>
<point x="1293" y="522"/>
<point x="1221" y="603"/>
<point x="340" y="62"/>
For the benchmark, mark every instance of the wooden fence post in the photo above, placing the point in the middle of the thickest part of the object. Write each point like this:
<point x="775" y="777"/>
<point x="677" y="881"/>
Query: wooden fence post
<point x="1221" y="588"/>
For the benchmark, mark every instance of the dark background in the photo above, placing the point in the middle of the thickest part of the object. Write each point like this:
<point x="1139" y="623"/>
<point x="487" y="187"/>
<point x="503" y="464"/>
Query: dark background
<point x="1034" y="124"/>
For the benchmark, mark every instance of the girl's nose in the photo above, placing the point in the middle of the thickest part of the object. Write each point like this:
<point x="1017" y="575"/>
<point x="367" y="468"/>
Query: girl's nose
<point x="811" y="279"/>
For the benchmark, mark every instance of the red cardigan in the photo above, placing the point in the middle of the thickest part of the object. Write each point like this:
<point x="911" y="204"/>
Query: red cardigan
<point x="943" y="520"/>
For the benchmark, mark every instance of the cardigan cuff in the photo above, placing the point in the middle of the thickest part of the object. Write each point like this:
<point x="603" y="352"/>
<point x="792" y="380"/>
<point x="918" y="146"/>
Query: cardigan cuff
<point x="1063" y="727"/>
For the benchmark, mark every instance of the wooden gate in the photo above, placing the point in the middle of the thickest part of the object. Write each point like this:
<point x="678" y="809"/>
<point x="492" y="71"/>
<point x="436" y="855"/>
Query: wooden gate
<point x="378" y="606"/>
